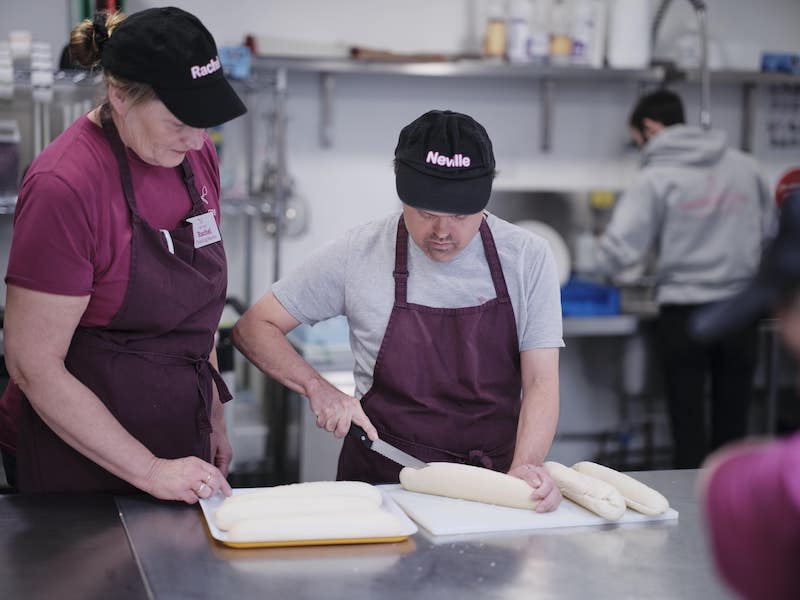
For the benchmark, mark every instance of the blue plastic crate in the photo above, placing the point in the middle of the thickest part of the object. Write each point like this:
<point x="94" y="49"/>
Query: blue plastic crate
<point x="581" y="298"/>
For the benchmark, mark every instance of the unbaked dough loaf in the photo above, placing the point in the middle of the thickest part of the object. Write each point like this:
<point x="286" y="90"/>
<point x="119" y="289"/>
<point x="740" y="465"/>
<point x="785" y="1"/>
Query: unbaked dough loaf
<point x="598" y="496"/>
<point x="231" y="512"/>
<point x="313" y="489"/>
<point x="468" y="483"/>
<point x="637" y="495"/>
<point x="373" y="523"/>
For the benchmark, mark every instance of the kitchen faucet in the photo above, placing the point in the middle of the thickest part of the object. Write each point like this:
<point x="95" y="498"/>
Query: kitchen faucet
<point x="705" y="79"/>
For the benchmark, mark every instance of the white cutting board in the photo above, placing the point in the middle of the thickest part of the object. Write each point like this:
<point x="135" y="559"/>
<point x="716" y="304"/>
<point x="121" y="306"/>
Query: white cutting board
<point x="447" y="516"/>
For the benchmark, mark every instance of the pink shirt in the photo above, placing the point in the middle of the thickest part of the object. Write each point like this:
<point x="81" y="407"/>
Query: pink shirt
<point x="753" y="513"/>
<point x="72" y="227"/>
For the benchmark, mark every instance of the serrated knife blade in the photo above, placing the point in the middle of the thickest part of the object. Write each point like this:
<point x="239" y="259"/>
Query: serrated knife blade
<point x="385" y="449"/>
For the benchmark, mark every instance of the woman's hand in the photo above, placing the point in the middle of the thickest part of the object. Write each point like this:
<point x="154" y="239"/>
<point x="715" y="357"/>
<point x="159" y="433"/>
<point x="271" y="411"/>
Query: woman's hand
<point x="545" y="491"/>
<point x="187" y="479"/>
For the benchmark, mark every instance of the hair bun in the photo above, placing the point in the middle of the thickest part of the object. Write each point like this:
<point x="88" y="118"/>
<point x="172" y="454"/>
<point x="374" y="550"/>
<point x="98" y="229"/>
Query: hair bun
<point x="100" y="29"/>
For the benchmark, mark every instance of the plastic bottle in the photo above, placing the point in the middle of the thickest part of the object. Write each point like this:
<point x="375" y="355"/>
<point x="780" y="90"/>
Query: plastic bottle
<point x="629" y="34"/>
<point x="539" y="46"/>
<point x="494" y="41"/>
<point x="518" y="31"/>
<point x="560" y="35"/>
<point x="588" y="32"/>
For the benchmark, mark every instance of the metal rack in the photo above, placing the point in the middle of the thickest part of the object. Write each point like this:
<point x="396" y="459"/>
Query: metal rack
<point x="547" y="76"/>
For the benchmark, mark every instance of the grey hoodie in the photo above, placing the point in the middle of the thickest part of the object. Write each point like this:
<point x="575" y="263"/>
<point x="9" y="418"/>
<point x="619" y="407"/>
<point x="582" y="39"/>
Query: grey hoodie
<point x="701" y="206"/>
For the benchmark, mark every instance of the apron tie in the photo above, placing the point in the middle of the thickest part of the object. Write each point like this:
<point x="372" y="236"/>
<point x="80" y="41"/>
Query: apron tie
<point x="203" y="420"/>
<point x="479" y="458"/>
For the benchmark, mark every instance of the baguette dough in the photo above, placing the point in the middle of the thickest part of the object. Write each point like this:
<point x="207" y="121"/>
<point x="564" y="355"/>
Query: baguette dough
<point x="230" y="513"/>
<point x="374" y="523"/>
<point x="638" y="496"/>
<point x="467" y="482"/>
<point x="312" y="489"/>
<point x="598" y="496"/>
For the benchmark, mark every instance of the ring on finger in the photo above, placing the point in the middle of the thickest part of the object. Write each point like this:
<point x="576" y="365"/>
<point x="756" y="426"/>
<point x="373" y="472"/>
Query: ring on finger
<point x="200" y="489"/>
<point x="208" y="479"/>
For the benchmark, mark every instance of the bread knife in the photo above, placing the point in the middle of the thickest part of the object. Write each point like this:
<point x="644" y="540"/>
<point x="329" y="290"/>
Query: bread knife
<point x="384" y="449"/>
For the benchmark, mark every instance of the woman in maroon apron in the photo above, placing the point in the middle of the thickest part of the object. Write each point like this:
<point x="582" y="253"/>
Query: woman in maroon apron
<point x="135" y="410"/>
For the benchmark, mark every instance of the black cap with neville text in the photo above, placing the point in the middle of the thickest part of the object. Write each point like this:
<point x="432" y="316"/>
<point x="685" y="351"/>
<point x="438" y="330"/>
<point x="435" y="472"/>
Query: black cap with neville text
<point x="444" y="163"/>
<point x="172" y="51"/>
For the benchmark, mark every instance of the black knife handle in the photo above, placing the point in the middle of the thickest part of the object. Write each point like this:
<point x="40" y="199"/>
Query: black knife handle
<point x="358" y="432"/>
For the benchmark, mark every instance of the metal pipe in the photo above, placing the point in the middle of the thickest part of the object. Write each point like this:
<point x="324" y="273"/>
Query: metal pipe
<point x="326" y="110"/>
<point x="700" y="10"/>
<point x="705" y="76"/>
<point x="248" y="227"/>
<point x="37" y="128"/>
<point x="748" y="117"/>
<point x="46" y="137"/>
<point x="279" y="210"/>
<point x="657" y="20"/>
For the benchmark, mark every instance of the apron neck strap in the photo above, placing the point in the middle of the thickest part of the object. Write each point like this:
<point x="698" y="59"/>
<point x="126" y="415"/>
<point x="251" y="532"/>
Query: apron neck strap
<point x="198" y="208"/>
<point x="490" y="249"/>
<point x="401" y="263"/>
<point x="118" y="148"/>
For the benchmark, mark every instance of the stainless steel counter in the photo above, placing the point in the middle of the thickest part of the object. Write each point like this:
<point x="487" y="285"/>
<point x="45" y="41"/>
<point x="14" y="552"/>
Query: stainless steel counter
<point x="667" y="560"/>
<point x="65" y="546"/>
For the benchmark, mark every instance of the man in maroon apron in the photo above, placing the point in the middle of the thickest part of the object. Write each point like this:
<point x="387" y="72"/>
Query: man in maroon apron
<point x="450" y="381"/>
<point x="150" y="366"/>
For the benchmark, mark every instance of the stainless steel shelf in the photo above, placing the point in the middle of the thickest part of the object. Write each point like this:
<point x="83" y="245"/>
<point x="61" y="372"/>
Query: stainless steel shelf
<point x="547" y="77"/>
<point x="738" y="77"/>
<point x="455" y="68"/>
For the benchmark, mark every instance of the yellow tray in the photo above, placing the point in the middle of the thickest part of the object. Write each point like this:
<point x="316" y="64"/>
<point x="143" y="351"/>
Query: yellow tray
<point x="210" y="505"/>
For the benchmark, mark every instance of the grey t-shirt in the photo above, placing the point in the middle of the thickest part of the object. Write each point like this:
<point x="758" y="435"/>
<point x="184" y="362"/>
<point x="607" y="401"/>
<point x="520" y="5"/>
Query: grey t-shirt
<point x="352" y="276"/>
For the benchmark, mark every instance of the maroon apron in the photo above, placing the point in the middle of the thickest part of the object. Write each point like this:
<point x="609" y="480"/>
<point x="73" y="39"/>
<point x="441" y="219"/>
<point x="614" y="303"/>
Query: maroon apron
<point x="447" y="383"/>
<point x="149" y="365"/>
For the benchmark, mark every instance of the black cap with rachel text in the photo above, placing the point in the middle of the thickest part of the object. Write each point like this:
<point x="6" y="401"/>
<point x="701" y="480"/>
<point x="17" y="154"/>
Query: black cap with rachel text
<point x="172" y="51"/>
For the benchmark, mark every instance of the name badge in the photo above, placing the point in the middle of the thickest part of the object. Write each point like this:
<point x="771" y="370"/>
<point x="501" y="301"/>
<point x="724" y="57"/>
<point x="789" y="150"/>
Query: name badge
<point x="204" y="230"/>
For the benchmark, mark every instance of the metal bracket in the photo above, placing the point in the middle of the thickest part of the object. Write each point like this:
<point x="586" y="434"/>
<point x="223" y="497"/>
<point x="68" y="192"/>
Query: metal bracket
<point x="546" y="88"/>
<point x="748" y="117"/>
<point x="326" y="86"/>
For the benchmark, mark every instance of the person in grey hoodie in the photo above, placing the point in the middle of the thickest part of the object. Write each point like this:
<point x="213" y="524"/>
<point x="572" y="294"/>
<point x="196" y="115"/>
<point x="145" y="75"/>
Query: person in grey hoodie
<point x="701" y="212"/>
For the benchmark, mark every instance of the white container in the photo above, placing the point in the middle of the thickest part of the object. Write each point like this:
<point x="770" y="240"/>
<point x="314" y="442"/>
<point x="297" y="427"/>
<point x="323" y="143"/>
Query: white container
<point x="589" y="32"/>
<point x="539" y="44"/>
<point x="518" y="32"/>
<point x="629" y="34"/>
<point x="561" y="33"/>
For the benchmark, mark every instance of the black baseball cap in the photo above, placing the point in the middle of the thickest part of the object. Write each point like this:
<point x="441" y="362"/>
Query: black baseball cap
<point x="776" y="281"/>
<point x="172" y="51"/>
<point x="444" y="163"/>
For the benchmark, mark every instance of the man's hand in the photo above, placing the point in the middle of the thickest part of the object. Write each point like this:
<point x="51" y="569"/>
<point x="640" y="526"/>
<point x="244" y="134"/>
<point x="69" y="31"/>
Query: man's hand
<point x="335" y="411"/>
<point x="545" y="491"/>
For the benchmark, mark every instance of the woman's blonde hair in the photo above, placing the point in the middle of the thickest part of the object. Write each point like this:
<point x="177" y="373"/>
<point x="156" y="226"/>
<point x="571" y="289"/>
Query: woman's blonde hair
<point x="86" y="49"/>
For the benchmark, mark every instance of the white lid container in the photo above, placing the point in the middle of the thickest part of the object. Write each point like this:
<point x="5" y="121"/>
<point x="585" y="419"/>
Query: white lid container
<point x="629" y="34"/>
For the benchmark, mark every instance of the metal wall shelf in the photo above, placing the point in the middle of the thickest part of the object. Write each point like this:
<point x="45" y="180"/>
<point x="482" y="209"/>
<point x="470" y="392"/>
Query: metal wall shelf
<point x="546" y="75"/>
<point x="456" y="68"/>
